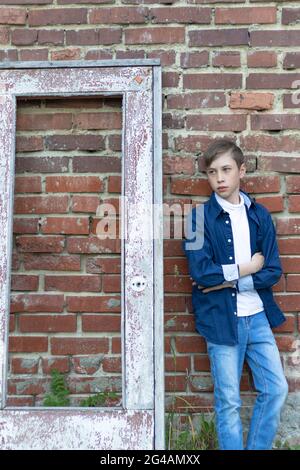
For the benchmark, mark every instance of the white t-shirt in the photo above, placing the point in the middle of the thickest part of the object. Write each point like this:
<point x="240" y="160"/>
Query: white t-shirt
<point x="248" y="302"/>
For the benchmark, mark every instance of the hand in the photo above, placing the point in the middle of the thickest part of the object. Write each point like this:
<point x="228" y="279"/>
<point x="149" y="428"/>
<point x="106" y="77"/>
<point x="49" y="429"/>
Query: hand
<point x="257" y="261"/>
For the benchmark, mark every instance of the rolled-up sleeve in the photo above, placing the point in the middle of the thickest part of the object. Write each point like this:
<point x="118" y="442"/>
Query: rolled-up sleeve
<point x="202" y="268"/>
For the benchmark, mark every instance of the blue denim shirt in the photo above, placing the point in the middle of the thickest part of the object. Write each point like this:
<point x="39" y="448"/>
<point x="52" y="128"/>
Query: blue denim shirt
<point x="213" y="263"/>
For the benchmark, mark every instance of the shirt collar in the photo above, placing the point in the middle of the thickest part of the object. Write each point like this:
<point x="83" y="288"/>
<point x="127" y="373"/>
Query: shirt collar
<point x="216" y="208"/>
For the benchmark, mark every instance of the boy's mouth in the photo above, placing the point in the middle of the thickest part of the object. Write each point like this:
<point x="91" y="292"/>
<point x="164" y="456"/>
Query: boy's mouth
<point x="222" y="188"/>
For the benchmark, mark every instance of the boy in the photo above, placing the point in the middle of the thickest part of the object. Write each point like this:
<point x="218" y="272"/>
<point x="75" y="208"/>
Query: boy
<point x="234" y="261"/>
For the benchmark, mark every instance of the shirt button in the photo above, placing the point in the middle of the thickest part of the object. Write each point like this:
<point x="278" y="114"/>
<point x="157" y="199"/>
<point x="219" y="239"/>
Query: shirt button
<point x="234" y="313"/>
<point x="226" y="221"/>
<point x="233" y="294"/>
<point x="230" y="257"/>
<point x="229" y="240"/>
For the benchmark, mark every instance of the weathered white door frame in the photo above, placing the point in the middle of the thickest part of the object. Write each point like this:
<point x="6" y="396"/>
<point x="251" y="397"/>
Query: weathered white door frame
<point x="140" y="422"/>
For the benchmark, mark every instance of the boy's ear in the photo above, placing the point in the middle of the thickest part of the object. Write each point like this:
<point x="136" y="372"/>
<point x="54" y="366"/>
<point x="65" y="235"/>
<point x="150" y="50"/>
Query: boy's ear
<point x="243" y="169"/>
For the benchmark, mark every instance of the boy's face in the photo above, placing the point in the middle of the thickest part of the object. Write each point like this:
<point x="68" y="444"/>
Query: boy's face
<point x="224" y="176"/>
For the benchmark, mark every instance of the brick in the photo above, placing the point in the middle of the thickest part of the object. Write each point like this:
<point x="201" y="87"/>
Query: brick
<point x="100" y="265"/>
<point x="75" y="142"/>
<point x="271" y="80"/>
<point x="178" y="165"/>
<point x="168" y="35"/>
<point x="245" y="15"/>
<point x="270" y="143"/>
<point x="280" y="164"/>
<point x="262" y="59"/>
<point x="294" y="203"/>
<point x="65" y="346"/>
<point x="167" y="58"/>
<point x="72" y="53"/>
<point x="33" y="54"/>
<point x="191" y="186"/>
<point x="275" y="121"/>
<point x="291" y="100"/>
<point x="37" y="122"/>
<point x="29" y="303"/>
<point x="226" y="59"/>
<point x="101" y="304"/>
<point x="29" y="144"/>
<point x="47" y="323"/>
<point x="286" y="343"/>
<point x="85" y="203"/>
<point x="194" y="59"/>
<point x="290" y="265"/>
<point x="290" y="15"/>
<point x="177" y="284"/>
<point x="196" y="100"/>
<point x="176" y="383"/>
<point x="291" y="60"/>
<point x="111" y="283"/>
<point x="182" y="323"/>
<point x="220" y="37"/>
<point x="189" y="15"/>
<point x="4" y="35"/>
<point x="24" y="365"/>
<point x="86" y="365"/>
<point x="248" y="100"/>
<point x="190" y="344"/>
<point x="24" y="37"/>
<point x="292" y="283"/>
<point x="261" y="184"/>
<point x="274" y="38"/>
<point x="201" y="362"/>
<point x="288" y="302"/>
<point x="212" y="81"/>
<point x="114" y="184"/>
<point x="288" y="226"/>
<point x="289" y="246"/>
<point x="87" y="283"/>
<point x="104" y="36"/>
<point x="52" y="262"/>
<point x="112" y="364"/>
<point x="28" y="184"/>
<point x="170" y="79"/>
<point x="293" y="184"/>
<point x="216" y="122"/>
<point x="24" y="282"/>
<point x="101" y="323"/>
<point x="65" y="225"/>
<point x="51" y="37"/>
<point x="103" y="120"/>
<point x="74" y="184"/>
<point x="56" y="16"/>
<point x="62" y="364"/>
<point x="40" y="244"/>
<point x="42" y="164"/>
<point x="9" y="54"/>
<point x="96" y="164"/>
<point x="35" y="386"/>
<point x="98" y="55"/>
<point x="28" y="344"/>
<point x="25" y="225"/>
<point x="178" y="364"/>
<point x="172" y="121"/>
<point x="272" y="203"/>
<point x="41" y="204"/>
<point x="118" y="15"/>
<point x="12" y="15"/>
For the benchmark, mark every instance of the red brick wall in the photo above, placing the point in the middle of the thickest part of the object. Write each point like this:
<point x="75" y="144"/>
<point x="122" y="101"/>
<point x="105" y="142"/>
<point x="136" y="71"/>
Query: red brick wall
<point x="65" y="303"/>
<point x="229" y="68"/>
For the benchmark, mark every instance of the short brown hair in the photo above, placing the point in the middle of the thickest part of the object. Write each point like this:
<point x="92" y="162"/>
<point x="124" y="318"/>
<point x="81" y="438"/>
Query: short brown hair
<point x="219" y="146"/>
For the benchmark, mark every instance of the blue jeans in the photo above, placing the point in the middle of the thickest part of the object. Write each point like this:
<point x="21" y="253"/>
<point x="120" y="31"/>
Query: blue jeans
<point x="258" y="347"/>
